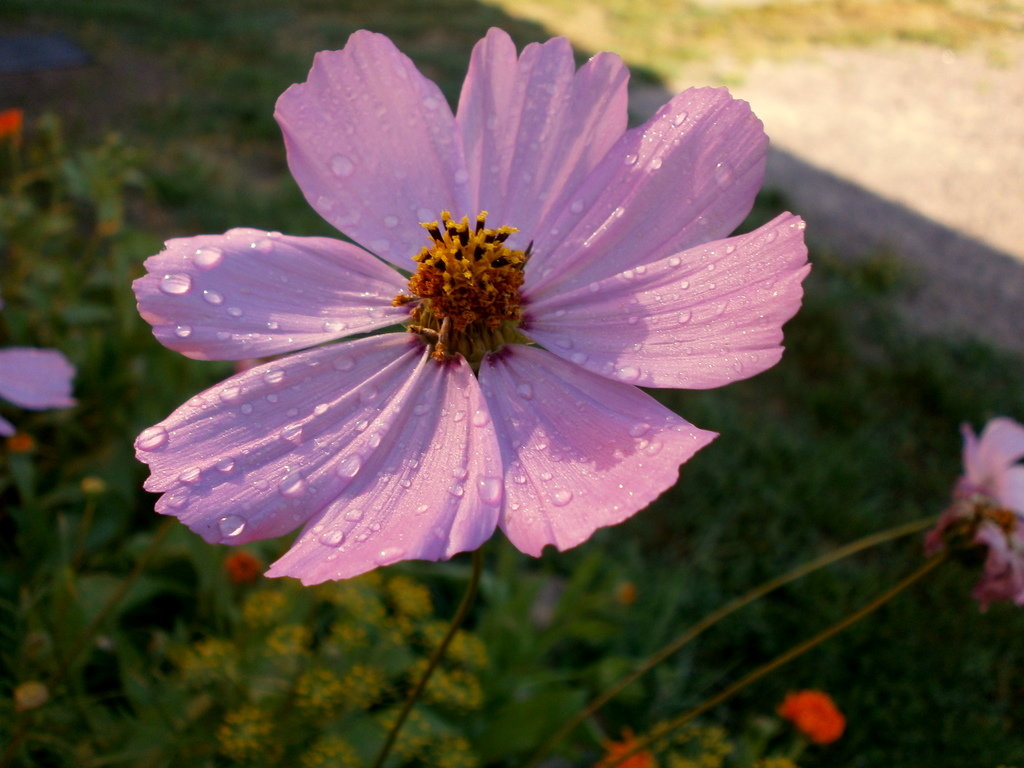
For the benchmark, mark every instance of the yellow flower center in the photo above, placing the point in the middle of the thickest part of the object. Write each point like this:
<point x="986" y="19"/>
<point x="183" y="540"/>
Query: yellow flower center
<point x="467" y="285"/>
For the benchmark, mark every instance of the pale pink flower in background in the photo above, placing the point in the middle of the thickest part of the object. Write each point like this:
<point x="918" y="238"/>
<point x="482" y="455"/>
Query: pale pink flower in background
<point x="988" y="510"/>
<point x="36" y="379"/>
<point x="579" y="260"/>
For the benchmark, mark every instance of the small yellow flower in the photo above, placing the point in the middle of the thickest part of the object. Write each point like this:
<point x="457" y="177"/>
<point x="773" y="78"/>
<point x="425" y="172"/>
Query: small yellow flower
<point x="93" y="486"/>
<point x="30" y="695"/>
<point x="245" y="734"/>
<point x="319" y="691"/>
<point x="364" y="684"/>
<point x="453" y="752"/>
<point x="409" y="598"/>
<point x="208" y="661"/>
<point x="265" y="607"/>
<point x="289" y="641"/>
<point x="331" y="752"/>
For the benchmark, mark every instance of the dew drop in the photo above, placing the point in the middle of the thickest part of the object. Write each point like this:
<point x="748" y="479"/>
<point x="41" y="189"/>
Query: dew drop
<point x="231" y="525"/>
<point x="490" y="490"/>
<point x="685" y="284"/>
<point x="246" y="408"/>
<point x="152" y="438"/>
<point x="176" y="285"/>
<point x="525" y="390"/>
<point x="730" y="249"/>
<point x="293" y="485"/>
<point x="431" y="102"/>
<point x="354" y="515"/>
<point x="190" y="475"/>
<point x="262" y="246"/>
<point x="207" y="258"/>
<point x="183" y="331"/>
<point x="460" y="472"/>
<point x="684" y="316"/>
<point x="389" y="555"/>
<point x="679" y="119"/>
<point x="628" y="373"/>
<point x="481" y="418"/>
<point x="457" y="490"/>
<point x="561" y="497"/>
<point x="576" y="206"/>
<point x="332" y="538"/>
<point x="276" y="376"/>
<point x="272" y="325"/>
<point x="344" y="363"/>
<point x="373" y="441"/>
<point x="212" y="297"/>
<point x="235" y="311"/>
<point x="333" y="326"/>
<point x="545" y="476"/>
<point x="673" y="261"/>
<point x="225" y="465"/>
<point x="342" y="166"/>
<point x="629" y="159"/>
<point x="422" y="508"/>
<point x="420" y="409"/>
<point x="350" y="465"/>
<point x="724" y="174"/>
<point x="231" y="394"/>
<point x="639" y="429"/>
<point x="292" y="433"/>
<point x="656" y="163"/>
<point x="368" y="393"/>
<point x="461" y="177"/>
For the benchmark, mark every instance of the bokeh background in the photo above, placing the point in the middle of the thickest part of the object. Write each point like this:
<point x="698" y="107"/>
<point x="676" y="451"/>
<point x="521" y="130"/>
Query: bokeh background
<point x="897" y="134"/>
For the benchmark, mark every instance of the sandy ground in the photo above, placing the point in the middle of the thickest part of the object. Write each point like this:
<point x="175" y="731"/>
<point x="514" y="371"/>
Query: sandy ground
<point x="912" y="149"/>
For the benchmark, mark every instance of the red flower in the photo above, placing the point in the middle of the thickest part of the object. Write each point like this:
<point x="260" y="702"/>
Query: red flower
<point x="814" y="714"/>
<point x="243" y="567"/>
<point x="10" y="122"/>
<point x="615" y="749"/>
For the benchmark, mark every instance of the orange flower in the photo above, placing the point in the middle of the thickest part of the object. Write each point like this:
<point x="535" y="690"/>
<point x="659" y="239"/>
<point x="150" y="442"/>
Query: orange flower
<point x="243" y="567"/>
<point x="21" y="443"/>
<point x="10" y="122"/>
<point x="814" y="714"/>
<point x="615" y="749"/>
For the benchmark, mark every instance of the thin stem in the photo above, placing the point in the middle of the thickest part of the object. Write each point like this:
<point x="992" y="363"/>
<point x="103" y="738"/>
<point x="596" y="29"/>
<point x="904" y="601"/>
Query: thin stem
<point x="778" y="661"/>
<point x="713" y="618"/>
<point x="435" y="659"/>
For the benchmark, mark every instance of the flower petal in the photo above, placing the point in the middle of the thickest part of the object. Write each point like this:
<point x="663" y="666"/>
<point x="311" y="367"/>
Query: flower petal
<point x="686" y="176"/>
<point x="6" y="428"/>
<point x="257" y="455"/>
<point x="433" y="489"/>
<point x="533" y="127"/>
<point x="580" y="452"/>
<point x="36" y="378"/>
<point x="701" y="318"/>
<point x="373" y="146"/>
<point x="1000" y="445"/>
<point x="249" y="293"/>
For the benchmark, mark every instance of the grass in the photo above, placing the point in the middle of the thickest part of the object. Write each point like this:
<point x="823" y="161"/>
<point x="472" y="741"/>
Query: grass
<point x="854" y="431"/>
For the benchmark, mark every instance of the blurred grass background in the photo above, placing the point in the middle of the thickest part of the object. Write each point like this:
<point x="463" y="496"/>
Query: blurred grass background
<point x="170" y="132"/>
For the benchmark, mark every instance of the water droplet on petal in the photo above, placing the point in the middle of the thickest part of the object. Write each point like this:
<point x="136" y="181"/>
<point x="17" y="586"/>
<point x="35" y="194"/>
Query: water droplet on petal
<point x="368" y="393"/>
<point x="293" y="485"/>
<point x="457" y="490"/>
<point x="525" y="390"/>
<point x="724" y="174"/>
<point x="639" y="429"/>
<point x="354" y="515"/>
<point x="684" y="316"/>
<point x="576" y="206"/>
<point x="481" y="418"/>
<point x="262" y="246"/>
<point x="342" y="166"/>
<point x="673" y="261"/>
<point x="389" y="555"/>
<point x="275" y="376"/>
<point x="490" y="490"/>
<point x="350" y="465"/>
<point x="212" y="297"/>
<point x="190" y="475"/>
<point x="460" y="472"/>
<point x="344" y="363"/>
<point x="628" y="373"/>
<point x="561" y="497"/>
<point x="332" y="538"/>
<point x="246" y="408"/>
<point x="225" y="465"/>
<point x="176" y="285"/>
<point x="183" y="331"/>
<point x="679" y="119"/>
<point x="231" y="394"/>
<point x="207" y="258"/>
<point x="151" y="439"/>
<point x="629" y="159"/>
<point x="231" y="525"/>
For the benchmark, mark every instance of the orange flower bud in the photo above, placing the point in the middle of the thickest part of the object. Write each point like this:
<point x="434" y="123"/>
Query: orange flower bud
<point x="814" y="714"/>
<point x="242" y="567"/>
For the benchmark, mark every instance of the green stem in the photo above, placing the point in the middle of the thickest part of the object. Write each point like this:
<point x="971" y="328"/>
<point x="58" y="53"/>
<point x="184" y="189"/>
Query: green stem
<point x="780" y="660"/>
<point x="713" y="618"/>
<point x="435" y="659"/>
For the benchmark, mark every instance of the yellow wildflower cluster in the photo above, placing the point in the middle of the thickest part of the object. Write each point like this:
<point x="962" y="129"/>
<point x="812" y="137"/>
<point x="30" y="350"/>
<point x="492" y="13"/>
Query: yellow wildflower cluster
<point x="775" y="762"/>
<point x="453" y="752"/>
<point x="466" y="649"/>
<point x="348" y="635"/>
<point x="331" y="752"/>
<point x="360" y="597"/>
<point x="414" y="738"/>
<point x="452" y="688"/>
<point x="208" y="661"/>
<point x="363" y="686"/>
<point x="265" y="607"/>
<point x="409" y="598"/>
<point x="289" y="641"/>
<point x="318" y="691"/>
<point x="246" y="734"/>
<point x="706" y="746"/>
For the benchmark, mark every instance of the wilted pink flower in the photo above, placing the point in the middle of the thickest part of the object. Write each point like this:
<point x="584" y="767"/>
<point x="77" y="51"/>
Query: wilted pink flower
<point x="530" y="215"/>
<point x="988" y="510"/>
<point x="36" y="379"/>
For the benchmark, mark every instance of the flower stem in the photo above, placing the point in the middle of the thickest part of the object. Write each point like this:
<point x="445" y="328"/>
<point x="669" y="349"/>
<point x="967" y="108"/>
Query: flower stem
<point x="713" y="618"/>
<point x="435" y="659"/>
<point x="778" y="661"/>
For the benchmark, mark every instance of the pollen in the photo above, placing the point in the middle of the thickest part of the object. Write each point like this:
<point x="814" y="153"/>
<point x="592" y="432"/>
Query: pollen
<point x="466" y="288"/>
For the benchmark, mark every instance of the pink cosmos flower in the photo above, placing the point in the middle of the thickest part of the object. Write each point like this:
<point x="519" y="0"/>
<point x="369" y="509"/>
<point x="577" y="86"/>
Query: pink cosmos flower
<point x="36" y="379"/>
<point x="557" y="260"/>
<point x="988" y="510"/>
